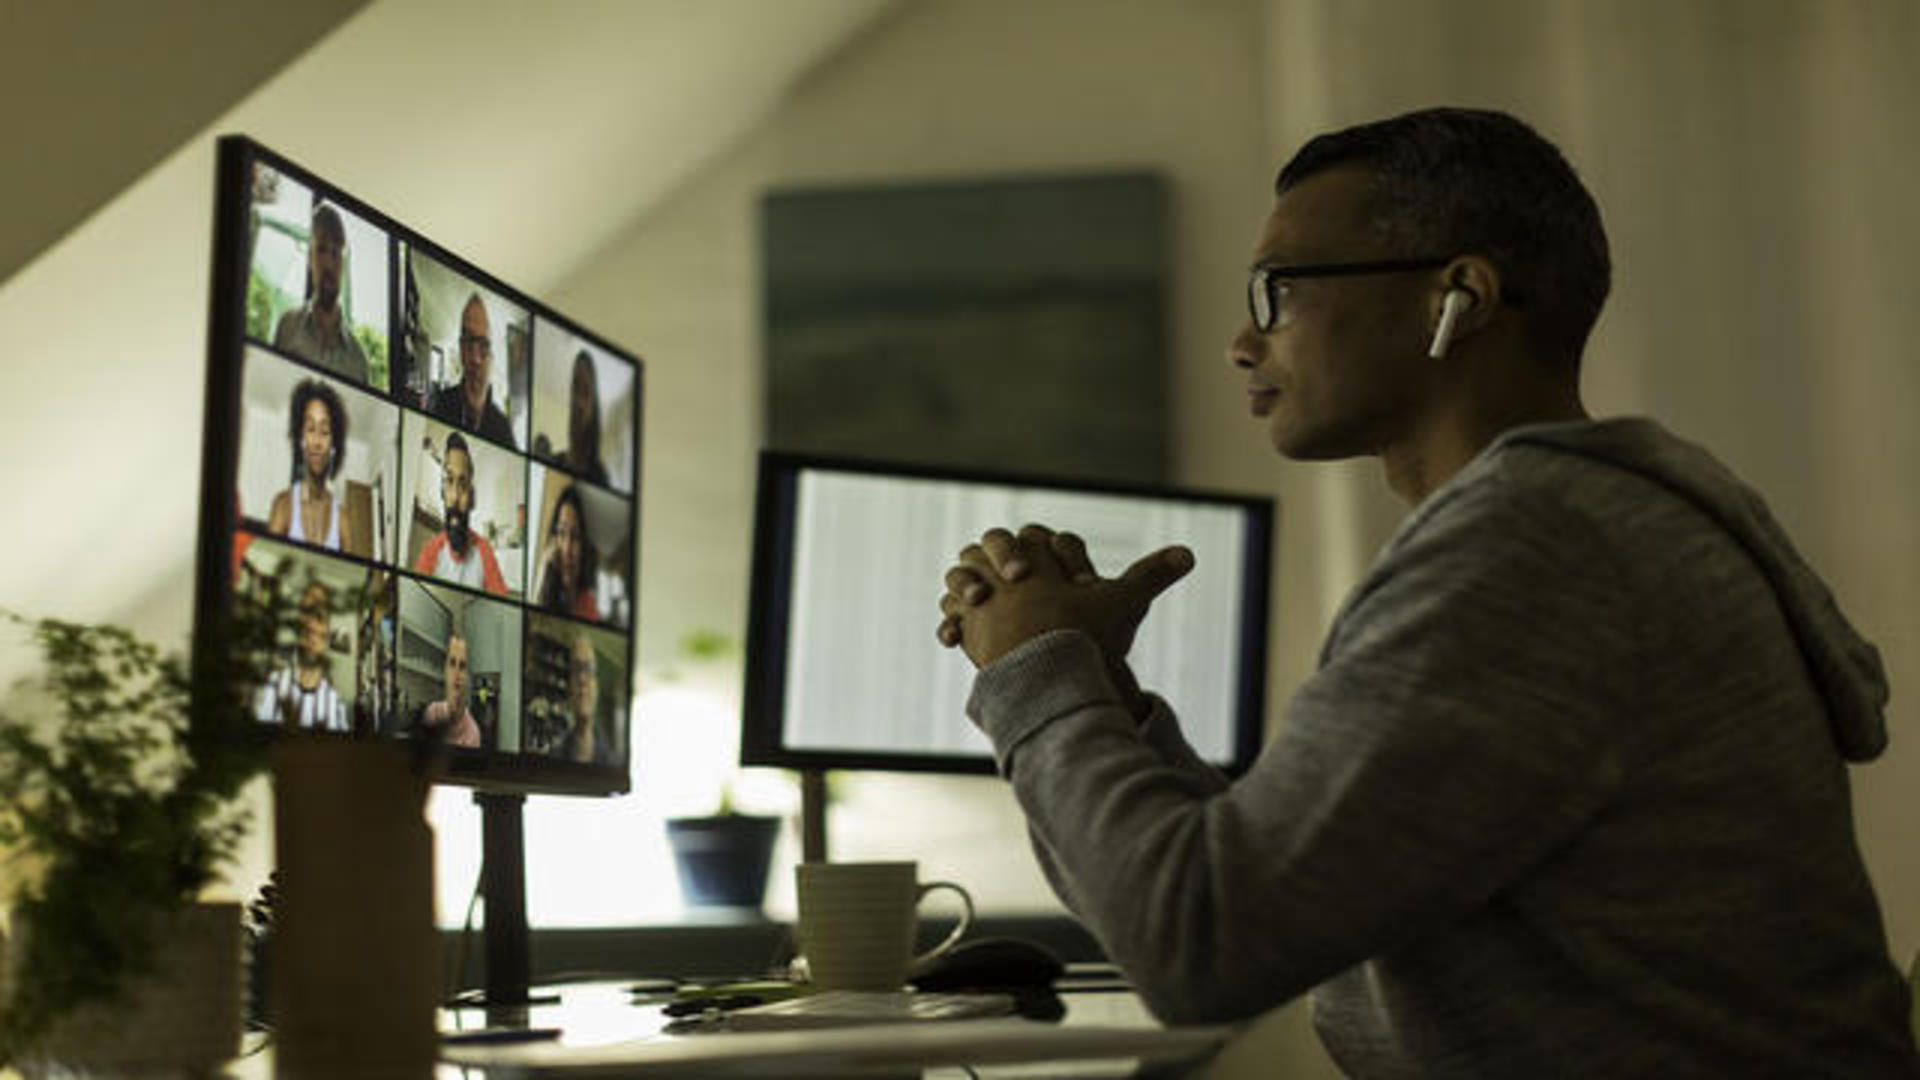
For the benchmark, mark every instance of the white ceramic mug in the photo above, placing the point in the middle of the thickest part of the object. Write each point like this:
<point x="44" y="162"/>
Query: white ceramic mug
<point x="857" y="922"/>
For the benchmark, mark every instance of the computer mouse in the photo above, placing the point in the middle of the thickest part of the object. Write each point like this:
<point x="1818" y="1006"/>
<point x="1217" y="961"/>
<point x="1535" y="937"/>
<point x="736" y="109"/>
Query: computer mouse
<point x="989" y="963"/>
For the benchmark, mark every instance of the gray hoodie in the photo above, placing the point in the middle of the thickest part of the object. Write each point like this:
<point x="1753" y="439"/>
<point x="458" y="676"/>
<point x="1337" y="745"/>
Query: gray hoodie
<point x="1566" y="796"/>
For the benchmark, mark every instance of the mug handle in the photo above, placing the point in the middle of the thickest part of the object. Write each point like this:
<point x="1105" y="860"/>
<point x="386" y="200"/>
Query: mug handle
<point x="960" y="931"/>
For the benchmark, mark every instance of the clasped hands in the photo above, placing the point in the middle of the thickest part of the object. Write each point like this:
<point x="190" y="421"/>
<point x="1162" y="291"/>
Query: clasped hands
<point x="1010" y="588"/>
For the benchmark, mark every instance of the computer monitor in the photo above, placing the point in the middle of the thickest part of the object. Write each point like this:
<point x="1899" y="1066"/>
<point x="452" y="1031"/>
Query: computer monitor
<point x="843" y="670"/>
<point x="448" y="469"/>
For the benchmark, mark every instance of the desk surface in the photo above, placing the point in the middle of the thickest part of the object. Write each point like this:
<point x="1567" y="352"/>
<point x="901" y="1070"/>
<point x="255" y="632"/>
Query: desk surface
<point x="605" y="1034"/>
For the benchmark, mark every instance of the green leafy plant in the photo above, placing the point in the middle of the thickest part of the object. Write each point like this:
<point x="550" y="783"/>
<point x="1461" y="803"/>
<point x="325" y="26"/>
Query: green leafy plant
<point x="119" y="771"/>
<point x="374" y="344"/>
<point x="263" y="304"/>
<point x="707" y="645"/>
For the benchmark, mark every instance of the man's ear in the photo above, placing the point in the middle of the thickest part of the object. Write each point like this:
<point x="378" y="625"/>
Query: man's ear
<point x="1468" y="294"/>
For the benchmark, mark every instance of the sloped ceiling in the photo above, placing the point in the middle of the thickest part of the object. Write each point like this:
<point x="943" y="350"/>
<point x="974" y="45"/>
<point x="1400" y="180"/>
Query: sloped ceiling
<point x="521" y="136"/>
<point x="95" y="92"/>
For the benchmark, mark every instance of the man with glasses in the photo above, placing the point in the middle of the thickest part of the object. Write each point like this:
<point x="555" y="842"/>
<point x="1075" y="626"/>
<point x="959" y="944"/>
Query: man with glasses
<point x="583" y="740"/>
<point x="469" y="402"/>
<point x="1568" y="793"/>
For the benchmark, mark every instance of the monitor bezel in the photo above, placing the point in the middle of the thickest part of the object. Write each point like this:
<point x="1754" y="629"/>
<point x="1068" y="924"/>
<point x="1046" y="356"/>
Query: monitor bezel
<point x="764" y="689"/>
<point x="220" y="522"/>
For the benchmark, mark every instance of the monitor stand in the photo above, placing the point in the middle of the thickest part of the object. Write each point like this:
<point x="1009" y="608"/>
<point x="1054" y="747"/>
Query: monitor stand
<point x="813" y="815"/>
<point x="503" y="893"/>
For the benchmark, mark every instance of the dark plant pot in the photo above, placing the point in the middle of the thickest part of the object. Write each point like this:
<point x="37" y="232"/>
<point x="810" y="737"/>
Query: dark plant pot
<point x="723" y="859"/>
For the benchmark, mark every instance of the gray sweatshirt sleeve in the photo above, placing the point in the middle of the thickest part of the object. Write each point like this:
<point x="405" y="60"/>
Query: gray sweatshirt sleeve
<point x="1160" y="732"/>
<point x="1459" y="729"/>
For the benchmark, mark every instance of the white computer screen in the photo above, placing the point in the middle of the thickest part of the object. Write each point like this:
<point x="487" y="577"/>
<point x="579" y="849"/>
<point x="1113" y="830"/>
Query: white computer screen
<point x="849" y="574"/>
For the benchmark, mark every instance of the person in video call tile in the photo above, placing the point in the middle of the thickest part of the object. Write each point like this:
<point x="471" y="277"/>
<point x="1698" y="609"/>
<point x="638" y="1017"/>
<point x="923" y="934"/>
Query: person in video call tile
<point x="317" y="429"/>
<point x="583" y="422"/>
<point x="469" y="402"/>
<point x="1567" y="793"/>
<point x="570" y="565"/>
<point x="457" y="553"/>
<point x="298" y="693"/>
<point x="317" y="330"/>
<point x="452" y="711"/>
<point x="582" y="741"/>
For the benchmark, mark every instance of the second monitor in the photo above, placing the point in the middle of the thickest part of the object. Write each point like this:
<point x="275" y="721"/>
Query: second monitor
<point x="842" y="667"/>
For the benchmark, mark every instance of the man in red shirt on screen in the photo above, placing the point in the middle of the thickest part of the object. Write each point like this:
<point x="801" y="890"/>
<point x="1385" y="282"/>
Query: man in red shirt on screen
<point x="457" y="553"/>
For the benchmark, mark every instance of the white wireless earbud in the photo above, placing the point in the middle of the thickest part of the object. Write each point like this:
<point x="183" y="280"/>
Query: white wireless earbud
<point x="1451" y="305"/>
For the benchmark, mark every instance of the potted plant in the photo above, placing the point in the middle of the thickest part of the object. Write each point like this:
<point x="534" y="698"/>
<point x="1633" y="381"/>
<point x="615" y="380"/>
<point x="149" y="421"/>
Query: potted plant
<point x="722" y="858"/>
<point x="119" y="772"/>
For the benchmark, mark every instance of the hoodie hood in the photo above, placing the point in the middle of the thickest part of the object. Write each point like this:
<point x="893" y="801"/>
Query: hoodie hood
<point x="1844" y="665"/>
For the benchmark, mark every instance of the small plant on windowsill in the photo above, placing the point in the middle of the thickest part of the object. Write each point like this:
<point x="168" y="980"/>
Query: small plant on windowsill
<point x="120" y="769"/>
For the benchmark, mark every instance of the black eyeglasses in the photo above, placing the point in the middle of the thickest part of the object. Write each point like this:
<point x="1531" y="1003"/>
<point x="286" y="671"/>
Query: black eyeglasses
<point x="1263" y="285"/>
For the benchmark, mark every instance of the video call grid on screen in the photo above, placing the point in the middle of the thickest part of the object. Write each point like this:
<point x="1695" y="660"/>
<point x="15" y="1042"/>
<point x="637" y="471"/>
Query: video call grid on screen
<point x="377" y="407"/>
<point x="849" y="558"/>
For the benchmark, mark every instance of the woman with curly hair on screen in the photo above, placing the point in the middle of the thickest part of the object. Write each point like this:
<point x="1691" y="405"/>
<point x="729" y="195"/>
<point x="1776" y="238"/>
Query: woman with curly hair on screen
<point x="308" y="510"/>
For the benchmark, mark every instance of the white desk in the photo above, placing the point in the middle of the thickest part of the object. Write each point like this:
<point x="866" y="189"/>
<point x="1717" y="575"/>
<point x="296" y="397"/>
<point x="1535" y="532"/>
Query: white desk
<point x="605" y="1035"/>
